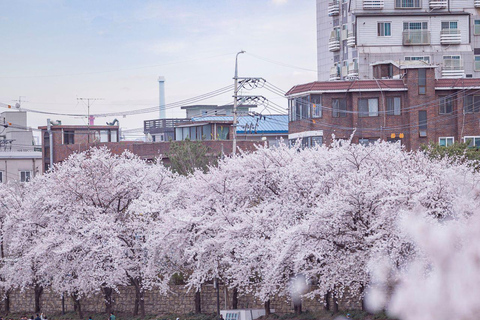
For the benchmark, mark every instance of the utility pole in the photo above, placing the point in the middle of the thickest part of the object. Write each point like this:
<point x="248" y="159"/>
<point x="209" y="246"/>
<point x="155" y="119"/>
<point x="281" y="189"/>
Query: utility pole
<point x="235" y="94"/>
<point x="90" y="120"/>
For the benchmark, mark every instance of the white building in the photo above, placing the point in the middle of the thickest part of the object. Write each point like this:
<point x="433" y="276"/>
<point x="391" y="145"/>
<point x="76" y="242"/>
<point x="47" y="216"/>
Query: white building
<point x="353" y="34"/>
<point x="18" y="159"/>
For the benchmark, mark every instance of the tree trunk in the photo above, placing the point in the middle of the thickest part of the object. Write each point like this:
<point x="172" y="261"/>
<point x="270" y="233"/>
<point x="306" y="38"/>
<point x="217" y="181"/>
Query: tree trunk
<point x="38" y="293"/>
<point x="335" y="302"/>
<point x="326" y="305"/>
<point x="77" y="305"/>
<point x="7" y="302"/>
<point x="235" y="299"/>
<point x="198" y="302"/>
<point x="139" y="308"/>
<point x="362" y="294"/>
<point x="107" y="295"/>
<point x="63" y="304"/>
<point x="297" y="306"/>
<point x="266" y="305"/>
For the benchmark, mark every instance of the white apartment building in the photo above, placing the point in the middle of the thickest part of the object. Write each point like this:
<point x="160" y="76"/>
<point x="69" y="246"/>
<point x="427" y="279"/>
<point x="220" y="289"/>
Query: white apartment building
<point x="353" y="34"/>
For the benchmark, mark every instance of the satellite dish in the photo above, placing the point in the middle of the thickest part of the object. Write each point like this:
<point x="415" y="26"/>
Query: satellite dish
<point x="17" y="105"/>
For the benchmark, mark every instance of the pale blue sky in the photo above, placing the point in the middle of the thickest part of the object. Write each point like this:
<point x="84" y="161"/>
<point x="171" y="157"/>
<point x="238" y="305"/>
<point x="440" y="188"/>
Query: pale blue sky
<point x="56" y="51"/>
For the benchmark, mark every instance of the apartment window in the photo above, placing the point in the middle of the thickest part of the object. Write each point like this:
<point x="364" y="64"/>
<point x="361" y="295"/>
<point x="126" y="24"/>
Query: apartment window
<point x="422" y="123"/>
<point x="446" y="141"/>
<point x="339" y="108"/>
<point x="418" y="58"/>
<point x="394" y="106"/>
<point x="449" y="25"/>
<point x="415" y="25"/>
<point x="477" y="63"/>
<point x="422" y="81"/>
<point x="452" y="62"/>
<point x="473" y="142"/>
<point x="368" y="107"/>
<point x="471" y="104"/>
<point x="384" y="29"/>
<point x="316" y="102"/>
<point x="68" y="137"/>
<point x="445" y="105"/>
<point x="302" y="107"/>
<point x="476" y="30"/>
<point x="408" y="4"/>
<point x="291" y="110"/>
<point x="25" y="176"/>
<point x="367" y="142"/>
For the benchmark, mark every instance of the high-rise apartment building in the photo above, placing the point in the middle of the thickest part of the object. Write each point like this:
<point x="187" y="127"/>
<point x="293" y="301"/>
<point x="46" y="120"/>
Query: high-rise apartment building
<point x="354" y="34"/>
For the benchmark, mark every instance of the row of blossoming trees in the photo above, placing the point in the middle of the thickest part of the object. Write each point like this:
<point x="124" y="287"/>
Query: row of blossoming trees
<point x="377" y="220"/>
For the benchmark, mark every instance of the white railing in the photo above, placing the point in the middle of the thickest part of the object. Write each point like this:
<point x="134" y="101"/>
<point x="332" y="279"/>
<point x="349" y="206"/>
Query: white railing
<point x="334" y="8"/>
<point x="334" y="44"/>
<point x="438" y="4"/>
<point x="373" y="4"/>
<point x="334" y="74"/>
<point x="452" y="68"/>
<point x="476" y="3"/>
<point x="351" y="40"/>
<point x="416" y="37"/>
<point x="450" y="36"/>
<point x="352" y="69"/>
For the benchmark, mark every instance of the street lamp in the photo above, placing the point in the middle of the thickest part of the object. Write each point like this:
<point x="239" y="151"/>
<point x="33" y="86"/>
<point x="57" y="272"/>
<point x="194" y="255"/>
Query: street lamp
<point x="235" y="88"/>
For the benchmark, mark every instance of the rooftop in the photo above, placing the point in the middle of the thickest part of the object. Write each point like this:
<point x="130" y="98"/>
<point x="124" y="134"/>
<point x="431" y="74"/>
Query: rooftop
<point x="275" y="123"/>
<point x="214" y="106"/>
<point x="348" y="86"/>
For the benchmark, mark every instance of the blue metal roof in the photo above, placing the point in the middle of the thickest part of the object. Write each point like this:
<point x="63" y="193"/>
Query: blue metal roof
<point x="276" y="123"/>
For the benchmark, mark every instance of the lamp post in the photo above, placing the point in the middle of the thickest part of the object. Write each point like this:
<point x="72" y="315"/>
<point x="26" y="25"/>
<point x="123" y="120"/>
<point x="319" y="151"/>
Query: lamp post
<point x="235" y="88"/>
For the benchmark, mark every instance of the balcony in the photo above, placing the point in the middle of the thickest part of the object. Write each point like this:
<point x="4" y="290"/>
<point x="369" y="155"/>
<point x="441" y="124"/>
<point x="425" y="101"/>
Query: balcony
<point x="334" y="44"/>
<point x="334" y="74"/>
<point x="352" y="70"/>
<point x="334" y="8"/>
<point x="416" y="37"/>
<point x="438" y="4"/>
<point x="351" y="40"/>
<point x="476" y="3"/>
<point x="373" y="4"/>
<point x="453" y="68"/>
<point x="450" y="36"/>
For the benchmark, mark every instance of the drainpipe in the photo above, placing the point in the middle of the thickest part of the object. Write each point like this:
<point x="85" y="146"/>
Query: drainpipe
<point x="50" y="135"/>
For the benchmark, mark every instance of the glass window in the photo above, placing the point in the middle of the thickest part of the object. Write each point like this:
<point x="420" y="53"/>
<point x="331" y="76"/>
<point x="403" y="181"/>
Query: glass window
<point x="422" y="123"/>
<point x="222" y="132"/>
<point x="207" y="132"/>
<point x="418" y="58"/>
<point x="193" y="133"/>
<point x="415" y="26"/>
<point x="368" y="107"/>
<point x="473" y="142"/>
<point x="408" y="3"/>
<point x="68" y="137"/>
<point x="394" y="106"/>
<point x="316" y="101"/>
<point x="1" y="176"/>
<point x="316" y="141"/>
<point x="471" y="104"/>
<point x="113" y="135"/>
<point x="445" y="105"/>
<point x="339" y="108"/>
<point x="103" y="135"/>
<point x="367" y="141"/>
<point x="476" y="31"/>
<point x="384" y="29"/>
<point x="448" y="25"/>
<point x="24" y="176"/>
<point x="477" y="63"/>
<point x="445" y="141"/>
<point x="185" y="133"/>
<point x="422" y="81"/>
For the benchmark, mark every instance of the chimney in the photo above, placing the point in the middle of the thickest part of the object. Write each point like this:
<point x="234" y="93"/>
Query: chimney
<point x="161" y="83"/>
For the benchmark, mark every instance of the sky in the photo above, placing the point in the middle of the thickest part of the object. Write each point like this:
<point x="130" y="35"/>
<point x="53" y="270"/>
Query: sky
<point x="57" y="51"/>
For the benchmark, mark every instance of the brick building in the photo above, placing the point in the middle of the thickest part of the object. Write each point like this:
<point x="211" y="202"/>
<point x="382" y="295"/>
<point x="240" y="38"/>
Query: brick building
<point x="406" y="103"/>
<point x="69" y="139"/>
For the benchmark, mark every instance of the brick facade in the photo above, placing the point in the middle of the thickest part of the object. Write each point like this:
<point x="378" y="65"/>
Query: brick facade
<point x="456" y="123"/>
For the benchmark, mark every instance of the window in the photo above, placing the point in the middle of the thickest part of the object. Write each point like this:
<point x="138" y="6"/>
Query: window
<point x="446" y="141"/>
<point x="25" y="176"/>
<point x="445" y="105"/>
<point x="367" y="141"/>
<point x="394" y="106"/>
<point x="473" y="142"/>
<point x="222" y="132"/>
<point x="449" y="25"/>
<point x="68" y="137"/>
<point x="316" y="101"/>
<point x="422" y="81"/>
<point x="384" y="29"/>
<point x="422" y="123"/>
<point x="408" y="4"/>
<point x="471" y="104"/>
<point x="477" y="63"/>
<point x="418" y="58"/>
<point x="368" y="107"/>
<point x="113" y="135"/>
<point x="339" y="108"/>
<point x="415" y="25"/>
<point x="452" y="62"/>
<point x="103" y="135"/>
<point x="476" y="31"/>
<point x="1" y="176"/>
<point x="316" y="141"/>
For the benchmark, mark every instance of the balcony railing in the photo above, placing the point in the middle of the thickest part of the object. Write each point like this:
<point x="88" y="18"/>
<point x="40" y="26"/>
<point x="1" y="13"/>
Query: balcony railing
<point x="476" y="3"/>
<point x="450" y="36"/>
<point x="438" y="4"/>
<point x="334" y="8"/>
<point x="334" y="74"/>
<point x="373" y="4"/>
<point x="351" y="40"/>
<point x="352" y="70"/>
<point x="416" y="37"/>
<point x="453" y="68"/>
<point x="334" y="44"/>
